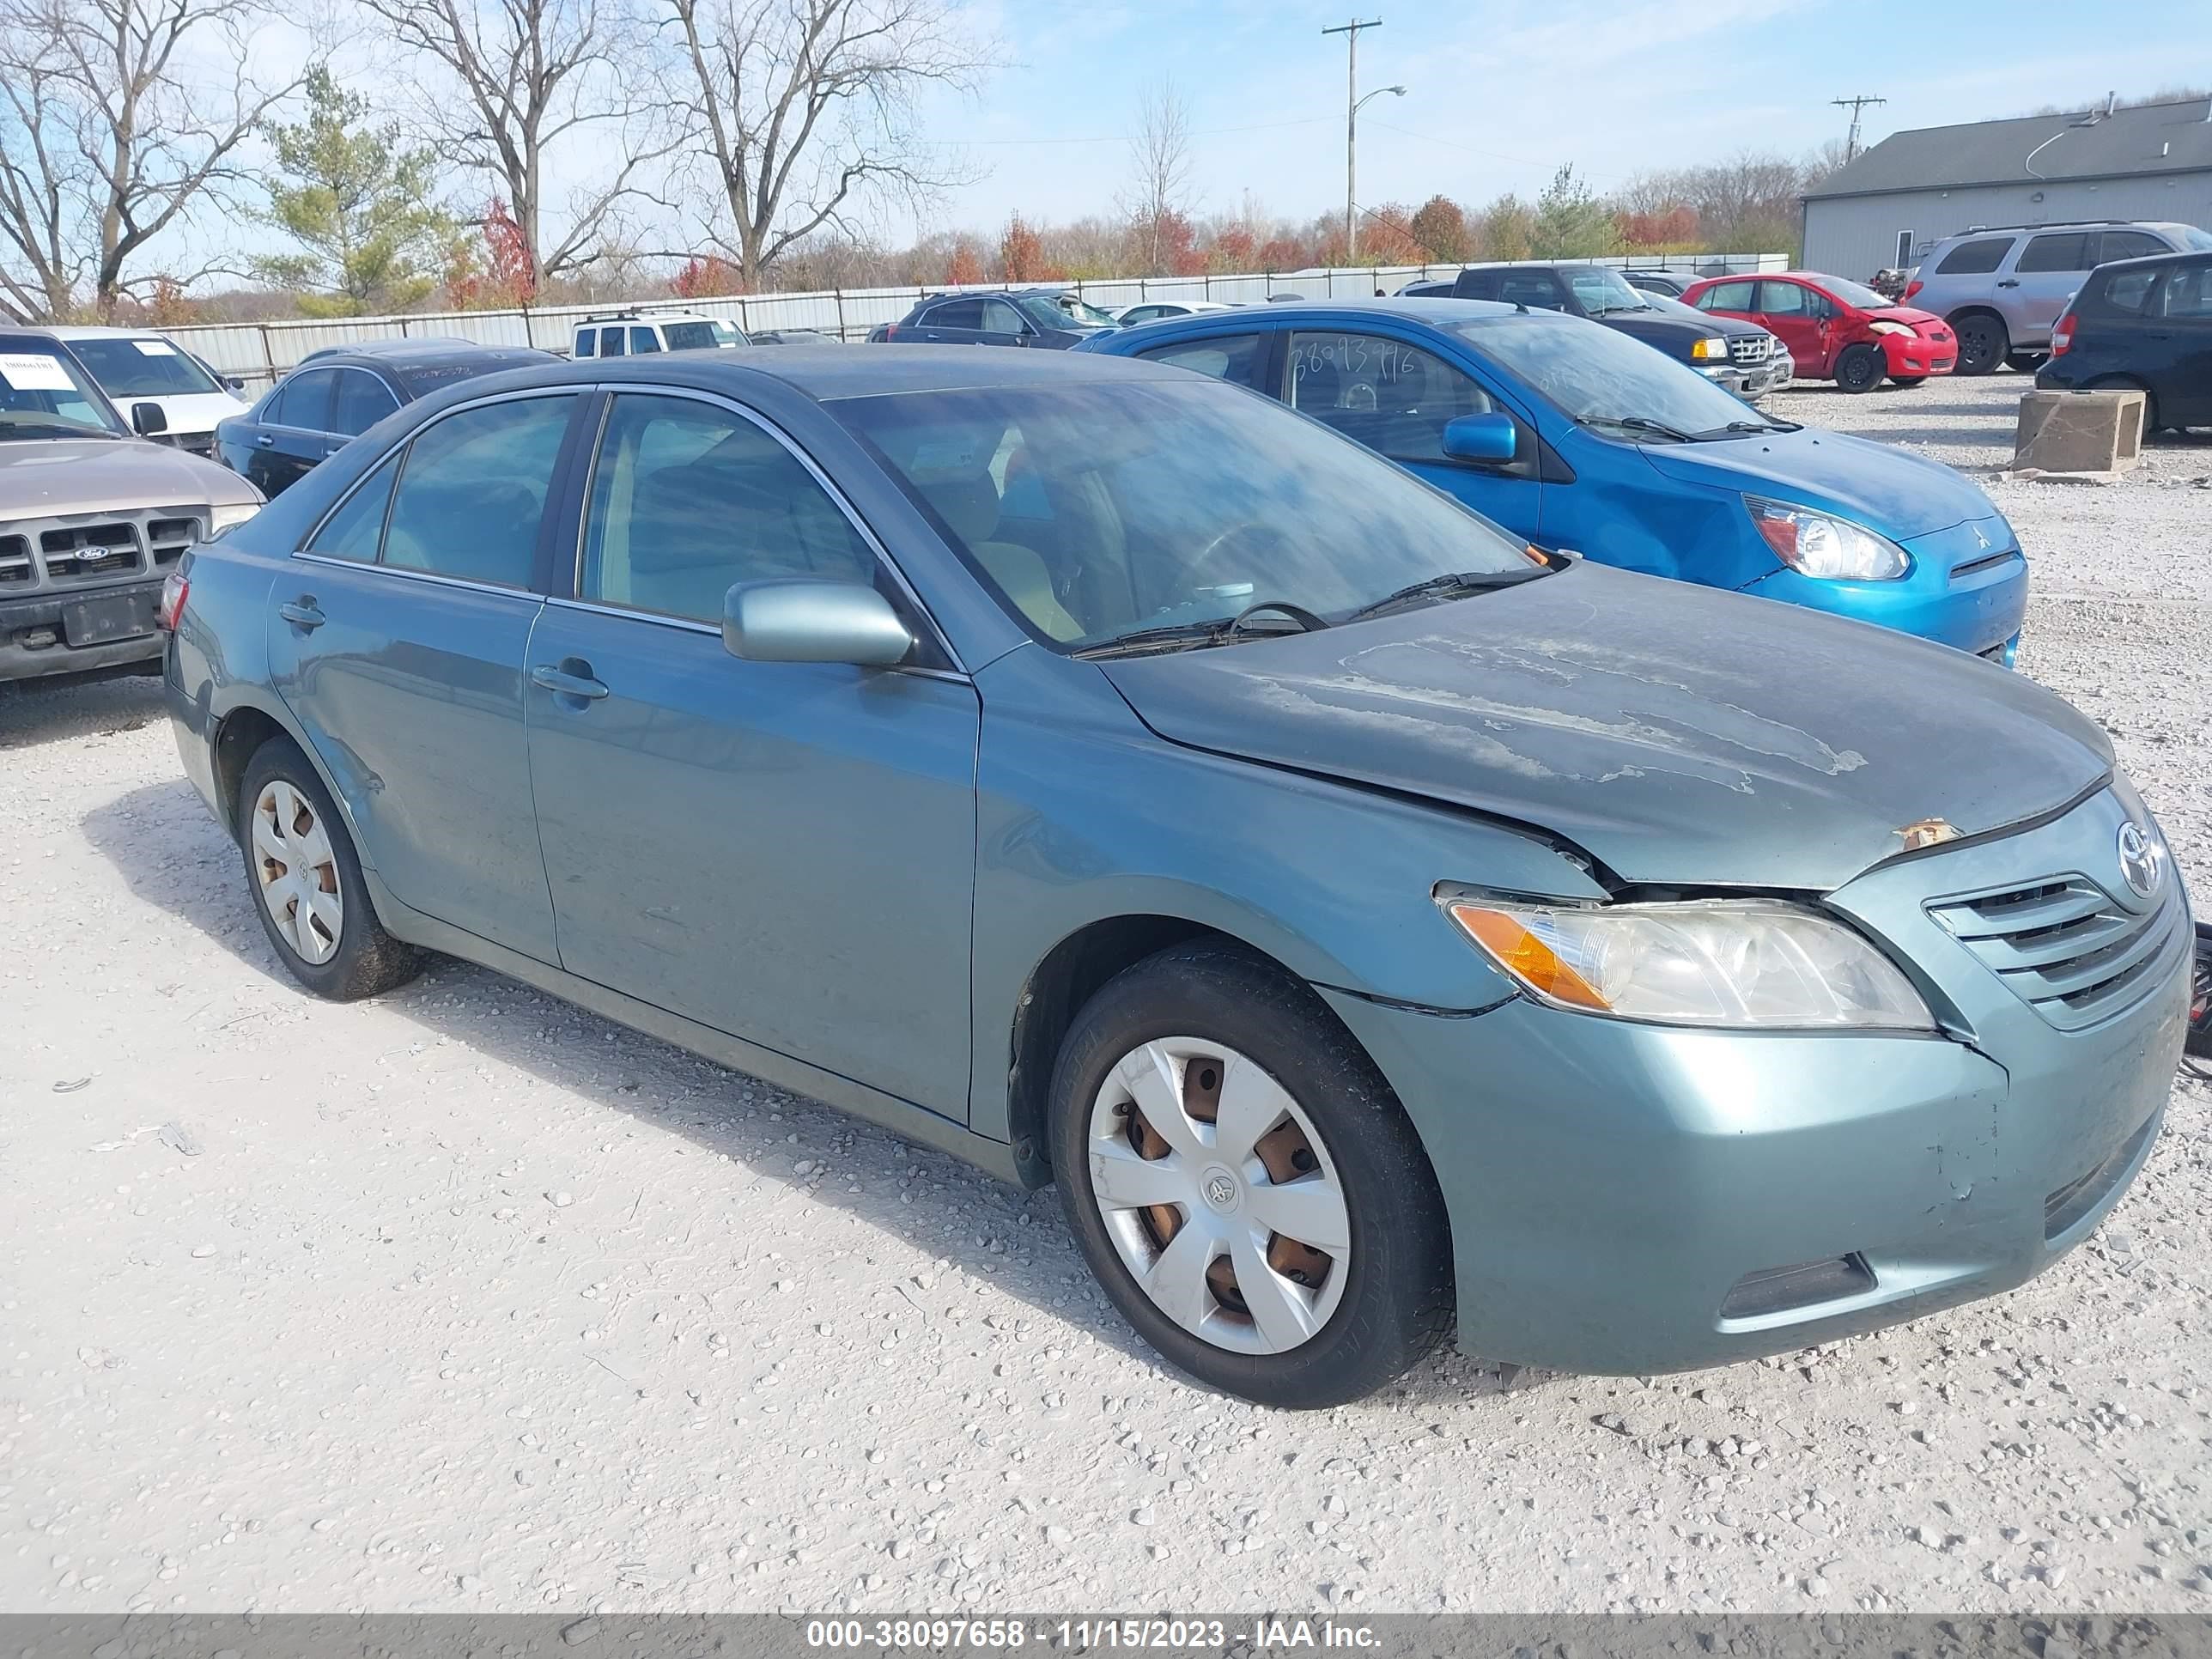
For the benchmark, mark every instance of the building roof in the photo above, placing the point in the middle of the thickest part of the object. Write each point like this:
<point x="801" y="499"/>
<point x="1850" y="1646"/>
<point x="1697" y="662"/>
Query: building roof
<point x="2147" y="139"/>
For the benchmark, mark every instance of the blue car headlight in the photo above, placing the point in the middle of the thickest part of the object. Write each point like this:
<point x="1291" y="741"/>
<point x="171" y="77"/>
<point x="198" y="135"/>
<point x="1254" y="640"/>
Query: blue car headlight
<point x="1821" y="544"/>
<point x="1749" y="963"/>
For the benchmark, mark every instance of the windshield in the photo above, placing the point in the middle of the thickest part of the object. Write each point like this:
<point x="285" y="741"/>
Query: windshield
<point x="1601" y="288"/>
<point x="704" y="335"/>
<point x="142" y="366"/>
<point x="2195" y="241"/>
<point x="1065" y="311"/>
<point x="1855" y="294"/>
<point x="44" y="394"/>
<point x="1098" y="510"/>
<point x="1601" y="377"/>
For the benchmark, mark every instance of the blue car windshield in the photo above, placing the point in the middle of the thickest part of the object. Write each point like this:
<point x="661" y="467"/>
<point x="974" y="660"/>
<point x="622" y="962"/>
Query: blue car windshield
<point x="1602" y="378"/>
<point x="1098" y="510"/>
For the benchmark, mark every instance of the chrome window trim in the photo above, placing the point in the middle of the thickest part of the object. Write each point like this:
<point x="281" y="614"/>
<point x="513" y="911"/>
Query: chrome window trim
<point x="371" y="469"/>
<point x="837" y="499"/>
<point x="408" y="573"/>
<point x="692" y="625"/>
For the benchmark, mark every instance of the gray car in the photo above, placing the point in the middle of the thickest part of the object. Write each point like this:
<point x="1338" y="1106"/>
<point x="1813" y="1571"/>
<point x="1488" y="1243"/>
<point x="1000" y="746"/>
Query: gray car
<point x="92" y="516"/>
<point x="2002" y="287"/>
<point x="1053" y="319"/>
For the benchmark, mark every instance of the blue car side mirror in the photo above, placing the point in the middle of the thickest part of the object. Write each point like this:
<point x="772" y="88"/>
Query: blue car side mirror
<point x="1491" y="438"/>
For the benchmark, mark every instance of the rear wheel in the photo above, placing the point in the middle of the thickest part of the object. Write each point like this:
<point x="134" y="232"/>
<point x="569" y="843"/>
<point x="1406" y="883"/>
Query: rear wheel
<point x="1244" y="1185"/>
<point x="1859" y="368"/>
<point x="1984" y="341"/>
<point x="307" y="885"/>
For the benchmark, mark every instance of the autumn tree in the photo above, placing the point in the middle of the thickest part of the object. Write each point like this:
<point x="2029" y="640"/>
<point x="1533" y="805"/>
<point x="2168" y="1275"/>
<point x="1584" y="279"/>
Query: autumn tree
<point x="705" y="277"/>
<point x="1021" y="253"/>
<point x="495" y="272"/>
<point x="1285" y="253"/>
<point x="117" y="118"/>
<point x="357" y="203"/>
<point x="801" y="111"/>
<point x="1508" y="229"/>
<point x="1439" y="227"/>
<point x="966" y="268"/>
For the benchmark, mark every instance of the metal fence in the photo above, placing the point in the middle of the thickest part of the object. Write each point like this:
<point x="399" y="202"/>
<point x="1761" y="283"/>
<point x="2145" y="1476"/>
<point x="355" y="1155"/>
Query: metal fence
<point x="258" y="352"/>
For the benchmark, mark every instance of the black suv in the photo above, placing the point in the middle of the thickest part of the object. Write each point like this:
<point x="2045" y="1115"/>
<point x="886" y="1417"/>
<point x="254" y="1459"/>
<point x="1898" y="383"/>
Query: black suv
<point x="1054" y="318"/>
<point x="1741" y="356"/>
<point x="2141" y="324"/>
<point x="337" y="393"/>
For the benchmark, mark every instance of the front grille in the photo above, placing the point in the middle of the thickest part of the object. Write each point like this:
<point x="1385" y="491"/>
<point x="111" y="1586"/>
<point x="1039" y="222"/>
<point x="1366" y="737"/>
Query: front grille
<point x="169" y="538"/>
<point x="193" y="443"/>
<point x="61" y="553"/>
<point x="16" y="566"/>
<point x="2066" y="947"/>
<point x="2065" y="1208"/>
<point x="84" y="550"/>
<point x="1986" y="561"/>
<point x="1751" y="350"/>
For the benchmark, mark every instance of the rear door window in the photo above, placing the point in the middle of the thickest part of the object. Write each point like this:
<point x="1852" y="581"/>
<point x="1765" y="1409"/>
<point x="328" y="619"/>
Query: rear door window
<point x="2066" y="249"/>
<point x="956" y="313"/>
<point x="2128" y="244"/>
<point x="362" y="401"/>
<point x="305" y="402"/>
<point x="1728" y="296"/>
<point x="2127" y="290"/>
<point x="472" y="489"/>
<point x="1975" y="259"/>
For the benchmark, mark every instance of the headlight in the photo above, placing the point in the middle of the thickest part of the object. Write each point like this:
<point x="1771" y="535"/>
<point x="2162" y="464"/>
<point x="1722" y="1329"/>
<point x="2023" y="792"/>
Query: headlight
<point x="1712" y="346"/>
<point x="1820" y="544"/>
<point x="1759" y="963"/>
<point x="221" y="518"/>
<point x="1884" y="326"/>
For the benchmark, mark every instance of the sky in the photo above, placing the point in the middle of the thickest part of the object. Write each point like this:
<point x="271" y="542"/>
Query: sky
<point x="1498" y="96"/>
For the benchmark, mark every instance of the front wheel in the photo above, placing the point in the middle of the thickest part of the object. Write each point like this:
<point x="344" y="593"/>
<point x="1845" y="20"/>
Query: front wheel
<point x="1908" y="381"/>
<point x="1244" y="1184"/>
<point x="306" y="881"/>
<point x="1859" y="368"/>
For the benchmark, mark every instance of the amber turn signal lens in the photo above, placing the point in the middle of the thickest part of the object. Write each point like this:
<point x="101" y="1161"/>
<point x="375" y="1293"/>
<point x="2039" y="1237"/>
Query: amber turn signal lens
<point x="1526" y="957"/>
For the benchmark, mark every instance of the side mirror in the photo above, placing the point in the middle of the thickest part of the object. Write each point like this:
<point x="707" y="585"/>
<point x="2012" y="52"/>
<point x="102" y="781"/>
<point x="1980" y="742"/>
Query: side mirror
<point x="799" y="619"/>
<point x="148" y="419"/>
<point x="234" y="383"/>
<point x="1488" y="439"/>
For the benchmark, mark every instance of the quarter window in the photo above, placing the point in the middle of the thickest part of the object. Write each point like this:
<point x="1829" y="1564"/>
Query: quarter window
<point x="356" y="529"/>
<point x="2128" y="244"/>
<point x="688" y="498"/>
<point x="1395" y="399"/>
<point x="1225" y="357"/>
<point x="1975" y="259"/>
<point x="1727" y="296"/>
<point x="2061" y="250"/>
<point x="2128" y="289"/>
<point x="472" y="489"/>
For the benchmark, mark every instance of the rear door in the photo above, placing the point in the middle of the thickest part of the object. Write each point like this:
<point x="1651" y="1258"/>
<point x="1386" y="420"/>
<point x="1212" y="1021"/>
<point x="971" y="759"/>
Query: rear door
<point x="1395" y="398"/>
<point x="949" y="322"/>
<point x="1238" y="359"/>
<point x="294" y="430"/>
<point x="399" y="638"/>
<point x="2049" y="269"/>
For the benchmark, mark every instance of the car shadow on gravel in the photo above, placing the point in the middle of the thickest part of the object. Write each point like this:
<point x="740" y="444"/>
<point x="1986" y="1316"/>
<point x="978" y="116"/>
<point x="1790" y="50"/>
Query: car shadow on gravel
<point x="67" y="707"/>
<point x="194" y="875"/>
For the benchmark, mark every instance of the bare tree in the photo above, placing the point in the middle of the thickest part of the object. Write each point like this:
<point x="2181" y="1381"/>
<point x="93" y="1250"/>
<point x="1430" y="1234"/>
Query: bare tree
<point x="115" y="116"/>
<point x="804" y="110"/>
<point x="532" y="76"/>
<point x="1160" y="166"/>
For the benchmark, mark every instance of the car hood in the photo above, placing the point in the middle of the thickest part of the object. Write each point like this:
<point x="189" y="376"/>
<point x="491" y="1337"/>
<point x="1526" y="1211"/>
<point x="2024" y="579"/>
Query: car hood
<point x="43" y="477"/>
<point x="191" y="412"/>
<point x="1678" y="735"/>
<point x="1911" y="316"/>
<point x="1889" y="491"/>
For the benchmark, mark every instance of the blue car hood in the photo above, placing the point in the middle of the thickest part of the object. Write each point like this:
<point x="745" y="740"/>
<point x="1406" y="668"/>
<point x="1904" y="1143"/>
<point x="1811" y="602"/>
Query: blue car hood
<point x="1890" y="492"/>
<point x="1677" y="734"/>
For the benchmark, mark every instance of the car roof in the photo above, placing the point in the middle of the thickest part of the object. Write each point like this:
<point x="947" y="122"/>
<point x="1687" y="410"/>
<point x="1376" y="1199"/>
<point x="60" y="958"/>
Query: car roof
<point x="95" y="331"/>
<point x="423" y="354"/>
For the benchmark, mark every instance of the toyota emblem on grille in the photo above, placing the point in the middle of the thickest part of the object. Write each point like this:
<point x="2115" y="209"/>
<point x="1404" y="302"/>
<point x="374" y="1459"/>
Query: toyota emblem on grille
<point x="2143" y="860"/>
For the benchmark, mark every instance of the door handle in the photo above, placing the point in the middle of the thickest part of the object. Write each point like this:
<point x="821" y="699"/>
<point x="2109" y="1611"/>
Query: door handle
<point x="301" y="613"/>
<point x="2009" y="282"/>
<point x="266" y="439"/>
<point x="567" y="685"/>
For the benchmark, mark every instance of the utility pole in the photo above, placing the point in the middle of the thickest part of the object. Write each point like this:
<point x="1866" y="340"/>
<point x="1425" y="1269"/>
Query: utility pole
<point x="1854" y="105"/>
<point x="1352" y="100"/>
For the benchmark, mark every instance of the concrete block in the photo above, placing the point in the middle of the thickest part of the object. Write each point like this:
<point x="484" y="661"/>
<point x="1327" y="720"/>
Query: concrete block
<point x="2079" y="431"/>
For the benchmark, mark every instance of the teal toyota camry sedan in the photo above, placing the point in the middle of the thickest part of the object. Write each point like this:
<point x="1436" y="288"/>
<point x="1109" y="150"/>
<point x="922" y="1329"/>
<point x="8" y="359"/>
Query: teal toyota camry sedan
<point x="1121" y="781"/>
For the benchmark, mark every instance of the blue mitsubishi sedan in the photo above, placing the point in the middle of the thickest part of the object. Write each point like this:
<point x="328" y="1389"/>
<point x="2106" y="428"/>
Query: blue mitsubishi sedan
<point x="1105" y="775"/>
<point x="1577" y="437"/>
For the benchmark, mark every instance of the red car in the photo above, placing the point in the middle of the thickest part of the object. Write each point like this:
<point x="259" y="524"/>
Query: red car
<point x="1835" y="330"/>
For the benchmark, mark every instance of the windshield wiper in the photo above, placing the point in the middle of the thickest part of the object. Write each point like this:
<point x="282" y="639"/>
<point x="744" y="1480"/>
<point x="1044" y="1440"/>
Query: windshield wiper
<point x="1194" y="635"/>
<point x="1450" y="585"/>
<point x="1640" y="423"/>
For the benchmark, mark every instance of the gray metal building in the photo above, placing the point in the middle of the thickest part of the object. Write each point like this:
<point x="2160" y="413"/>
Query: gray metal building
<point x="2152" y="162"/>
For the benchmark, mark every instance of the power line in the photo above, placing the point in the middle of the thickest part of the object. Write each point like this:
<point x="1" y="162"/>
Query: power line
<point x="1126" y="137"/>
<point x="1854" y="105"/>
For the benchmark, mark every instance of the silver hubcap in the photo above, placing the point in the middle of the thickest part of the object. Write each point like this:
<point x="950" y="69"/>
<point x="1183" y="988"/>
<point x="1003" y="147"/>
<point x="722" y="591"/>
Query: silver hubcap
<point x="1219" y="1195"/>
<point x="298" y="872"/>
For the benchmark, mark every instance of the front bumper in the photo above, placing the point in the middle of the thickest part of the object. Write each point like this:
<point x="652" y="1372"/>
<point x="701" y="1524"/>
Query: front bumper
<point x="1916" y="357"/>
<point x="1622" y="1196"/>
<point x="1962" y="591"/>
<point x="37" y="632"/>
<point x="1751" y="382"/>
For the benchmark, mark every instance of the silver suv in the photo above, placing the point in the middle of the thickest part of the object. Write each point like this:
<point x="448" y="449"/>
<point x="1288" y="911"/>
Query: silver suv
<point x="2002" y="287"/>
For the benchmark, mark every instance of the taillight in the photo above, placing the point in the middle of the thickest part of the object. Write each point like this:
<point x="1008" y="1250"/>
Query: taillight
<point x="890" y="330"/>
<point x="1912" y="288"/>
<point x="176" y="588"/>
<point x="2062" y="335"/>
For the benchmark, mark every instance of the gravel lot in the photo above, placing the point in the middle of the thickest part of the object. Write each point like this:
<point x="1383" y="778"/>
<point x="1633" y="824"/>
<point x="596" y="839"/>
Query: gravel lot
<point x="465" y="1300"/>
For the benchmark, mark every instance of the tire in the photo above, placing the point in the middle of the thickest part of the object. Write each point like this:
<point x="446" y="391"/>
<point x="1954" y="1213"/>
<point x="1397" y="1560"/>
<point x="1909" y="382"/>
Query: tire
<point x="1908" y="381"/>
<point x="1984" y="343"/>
<point x="2026" y="362"/>
<point x="1859" y="368"/>
<point x="287" y="823"/>
<point x="1263" y="1314"/>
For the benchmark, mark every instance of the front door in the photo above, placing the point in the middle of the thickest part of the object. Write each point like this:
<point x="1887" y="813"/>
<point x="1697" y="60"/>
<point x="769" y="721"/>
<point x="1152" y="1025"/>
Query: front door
<point x="1396" y="398"/>
<point x="1799" y="317"/>
<point x="782" y="850"/>
<point x="293" y="432"/>
<point x="399" y="641"/>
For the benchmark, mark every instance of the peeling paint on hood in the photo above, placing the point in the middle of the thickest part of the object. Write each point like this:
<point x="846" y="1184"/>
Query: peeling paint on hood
<point x="1679" y="735"/>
